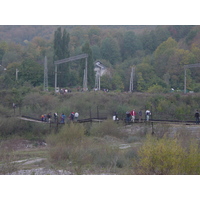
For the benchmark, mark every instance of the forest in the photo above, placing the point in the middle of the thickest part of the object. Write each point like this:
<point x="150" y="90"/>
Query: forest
<point x="158" y="54"/>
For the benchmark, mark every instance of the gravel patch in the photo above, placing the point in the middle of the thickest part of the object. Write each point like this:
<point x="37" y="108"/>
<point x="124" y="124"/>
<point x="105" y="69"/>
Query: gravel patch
<point x="41" y="171"/>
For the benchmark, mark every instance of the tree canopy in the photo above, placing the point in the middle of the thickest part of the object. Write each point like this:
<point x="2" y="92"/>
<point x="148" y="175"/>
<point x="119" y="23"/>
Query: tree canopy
<point x="158" y="52"/>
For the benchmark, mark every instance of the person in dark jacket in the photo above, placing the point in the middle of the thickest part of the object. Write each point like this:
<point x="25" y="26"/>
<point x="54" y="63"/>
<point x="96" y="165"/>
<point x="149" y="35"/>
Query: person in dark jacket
<point x="197" y="116"/>
<point x="128" y="116"/>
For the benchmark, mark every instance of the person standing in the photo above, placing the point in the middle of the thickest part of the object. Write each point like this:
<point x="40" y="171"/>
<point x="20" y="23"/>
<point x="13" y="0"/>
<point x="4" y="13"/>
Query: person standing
<point x="128" y="116"/>
<point x="148" y="113"/>
<point x="133" y="114"/>
<point x="71" y="116"/>
<point x="115" y="116"/>
<point x="140" y="116"/>
<point x="55" y="117"/>
<point x="63" y="116"/>
<point x="76" y="115"/>
<point x="42" y="117"/>
<point x="49" y="117"/>
<point x="197" y="116"/>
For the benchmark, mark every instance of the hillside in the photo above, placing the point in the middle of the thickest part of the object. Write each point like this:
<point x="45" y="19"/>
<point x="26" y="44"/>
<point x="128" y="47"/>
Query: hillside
<point x="19" y="33"/>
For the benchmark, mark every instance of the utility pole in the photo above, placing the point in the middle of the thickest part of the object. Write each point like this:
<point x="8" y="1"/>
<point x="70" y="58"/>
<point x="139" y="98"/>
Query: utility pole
<point x="185" y="74"/>
<point x="85" y="74"/>
<point x="17" y="74"/>
<point x="131" y="79"/>
<point x="98" y="79"/>
<point x="99" y="84"/>
<point x="84" y="79"/>
<point x="45" y="74"/>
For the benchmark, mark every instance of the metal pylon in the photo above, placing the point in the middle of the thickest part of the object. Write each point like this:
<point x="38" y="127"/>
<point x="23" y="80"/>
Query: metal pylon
<point x="131" y="79"/>
<point x="45" y="74"/>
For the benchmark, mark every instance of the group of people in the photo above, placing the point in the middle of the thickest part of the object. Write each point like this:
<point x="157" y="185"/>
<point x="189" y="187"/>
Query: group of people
<point x="64" y="91"/>
<point x="131" y="115"/>
<point x="47" y="117"/>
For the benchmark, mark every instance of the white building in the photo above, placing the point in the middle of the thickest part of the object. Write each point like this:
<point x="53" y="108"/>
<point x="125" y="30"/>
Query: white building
<point x="100" y="70"/>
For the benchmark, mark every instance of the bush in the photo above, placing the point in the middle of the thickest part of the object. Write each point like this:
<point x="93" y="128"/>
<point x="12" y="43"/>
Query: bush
<point x="166" y="156"/>
<point x="156" y="89"/>
<point x="6" y="158"/>
<point x="13" y="126"/>
<point x="108" y="127"/>
<point x="68" y="135"/>
<point x="66" y="144"/>
<point x="73" y="149"/>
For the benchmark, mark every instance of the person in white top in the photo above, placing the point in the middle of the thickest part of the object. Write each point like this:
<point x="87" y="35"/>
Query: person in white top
<point x="76" y="115"/>
<point x="148" y="113"/>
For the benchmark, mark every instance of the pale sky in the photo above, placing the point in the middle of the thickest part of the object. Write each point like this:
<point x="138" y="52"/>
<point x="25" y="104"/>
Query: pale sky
<point x="104" y="12"/>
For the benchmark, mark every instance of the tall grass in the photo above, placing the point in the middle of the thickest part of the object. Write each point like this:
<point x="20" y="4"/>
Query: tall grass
<point x="109" y="127"/>
<point x="6" y="157"/>
<point x="72" y="148"/>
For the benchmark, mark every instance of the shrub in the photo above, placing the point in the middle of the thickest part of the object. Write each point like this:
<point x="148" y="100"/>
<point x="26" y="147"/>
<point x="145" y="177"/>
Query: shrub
<point x="66" y="144"/>
<point x="6" y="158"/>
<point x="104" y="156"/>
<point x="68" y="135"/>
<point x="38" y="103"/>
<point x="13" y="126"/>
<point x="166" y="156"/>
<point x="192" y="161"/>
<point x="156" y="89"/>
<point x="72" y="148"/>
<point x="108" y="127"/>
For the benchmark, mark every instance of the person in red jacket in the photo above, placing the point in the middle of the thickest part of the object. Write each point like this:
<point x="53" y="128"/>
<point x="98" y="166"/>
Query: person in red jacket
<point x="133" y="114"/>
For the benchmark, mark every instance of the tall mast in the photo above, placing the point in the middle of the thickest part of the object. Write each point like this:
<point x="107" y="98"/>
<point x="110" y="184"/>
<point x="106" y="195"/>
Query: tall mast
<point x="45" y="74"/>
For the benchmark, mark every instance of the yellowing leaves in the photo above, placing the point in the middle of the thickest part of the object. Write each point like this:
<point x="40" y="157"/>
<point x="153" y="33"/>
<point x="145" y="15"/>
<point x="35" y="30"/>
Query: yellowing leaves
<point x="167" y="156"/>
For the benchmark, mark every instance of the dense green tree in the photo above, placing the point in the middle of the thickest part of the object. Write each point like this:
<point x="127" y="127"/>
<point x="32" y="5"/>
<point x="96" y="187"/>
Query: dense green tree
<point x="117" y="83"/>
<point x="96" y="52"/>
<point x="106" y="82"/>
<point x="110" y="50"/>
<point x="162" y="54"/>
<point x="131" y="44"/>
<point x="140" y="82"/>
<point x="78" y="36"/>
<point x="161" y="34"/>
<point x="178" y="32"/>
<point x="37" y="48"/>
<point x="3" y="48"/>
<point x="65" y="44"/>
<point x="94" y="35"/>
<point x="146" y="77"/>
<point x="9" y="57"/>
<point x="152" y="39"/>
<point x="190" y="36"/>
<point x="61" y="51"/>
<point x="148" y="40"/>
<point x="32" y="72"/>
<point x="11" y="74"/>
<point x="64" y="68"/>
<point x="58" y="53"/>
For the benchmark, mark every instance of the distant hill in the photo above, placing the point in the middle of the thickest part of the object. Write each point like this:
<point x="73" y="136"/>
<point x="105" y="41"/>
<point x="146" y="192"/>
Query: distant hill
<point x="19" y="33"/>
